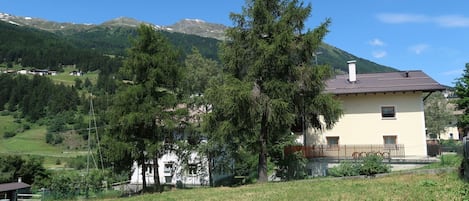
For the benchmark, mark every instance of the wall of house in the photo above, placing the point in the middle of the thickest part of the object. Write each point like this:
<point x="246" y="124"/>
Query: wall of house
<point x="453" y="129"/>
<point x="362" y="122"/>
<point x="177" y="172"/>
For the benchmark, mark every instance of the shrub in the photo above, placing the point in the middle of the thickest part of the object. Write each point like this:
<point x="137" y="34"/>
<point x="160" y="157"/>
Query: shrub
<point x="26" y="126"/>
<point x="4" y="113"/>
<point x="450" y="160"/>
<point x="77" y="163"/>
<point x="54" y="138"/>
<point x="9" y="134"/>
<point x="293" y="166"/>
<point x="373" y="164"/>
<point x="345" y="168"/>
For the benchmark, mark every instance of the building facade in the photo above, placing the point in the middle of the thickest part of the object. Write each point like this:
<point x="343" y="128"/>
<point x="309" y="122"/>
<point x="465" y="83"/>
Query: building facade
<point x="384" y="110"/>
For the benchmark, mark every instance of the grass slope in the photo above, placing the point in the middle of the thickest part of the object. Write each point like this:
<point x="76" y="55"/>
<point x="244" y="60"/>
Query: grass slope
<point x="395" y="187"/>
<point x="69" y="80"/>
<point x="31" y="142"/>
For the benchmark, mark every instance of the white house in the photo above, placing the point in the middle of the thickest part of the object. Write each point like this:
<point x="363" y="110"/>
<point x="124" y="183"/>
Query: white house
<point x="173" y="171"/>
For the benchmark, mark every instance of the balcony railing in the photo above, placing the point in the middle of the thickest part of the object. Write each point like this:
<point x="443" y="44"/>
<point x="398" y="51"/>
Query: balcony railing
<point x="348" y="151"/>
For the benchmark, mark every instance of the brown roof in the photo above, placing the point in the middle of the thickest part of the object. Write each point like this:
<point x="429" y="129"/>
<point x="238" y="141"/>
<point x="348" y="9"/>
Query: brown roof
<point x="384" y="82"/>
<point x="13" y="186"/>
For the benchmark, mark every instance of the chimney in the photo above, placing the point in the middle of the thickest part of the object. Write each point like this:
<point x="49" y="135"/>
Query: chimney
<point x="352" y="71"/>
<point x="19" y="180"/>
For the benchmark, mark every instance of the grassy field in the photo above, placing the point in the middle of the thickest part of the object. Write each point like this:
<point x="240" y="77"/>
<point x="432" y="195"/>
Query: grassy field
<point x="31" y="142"/>
<point x="69" y="80"/>
<point x="63" y="77"/>
<point x="445" y="186"/>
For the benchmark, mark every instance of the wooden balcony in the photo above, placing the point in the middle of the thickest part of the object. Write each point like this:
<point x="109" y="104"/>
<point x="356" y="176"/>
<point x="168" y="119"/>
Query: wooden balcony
<point x="348" y="151"/>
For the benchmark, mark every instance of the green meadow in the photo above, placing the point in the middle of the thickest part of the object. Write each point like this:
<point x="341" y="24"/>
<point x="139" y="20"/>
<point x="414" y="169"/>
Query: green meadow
<point x="445" y="186"/>
<point x="31" y="142"/>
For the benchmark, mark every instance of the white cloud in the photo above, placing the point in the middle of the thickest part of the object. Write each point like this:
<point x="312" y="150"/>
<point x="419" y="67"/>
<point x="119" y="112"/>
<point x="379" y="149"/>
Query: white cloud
<point x="379" y="54"/>
<point x="397" y="18"/>
<point x="453" y="72"/>
<point x="376" y="42"/>
<point x="419" y="48"/>
<point x="452" y="21"/>
<point x="442" y="20"/>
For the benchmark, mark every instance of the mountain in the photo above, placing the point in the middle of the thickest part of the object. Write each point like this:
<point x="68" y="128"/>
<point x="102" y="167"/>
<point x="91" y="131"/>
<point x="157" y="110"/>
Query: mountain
<point x="200" y="28"/>
<point x="112" y="37"/>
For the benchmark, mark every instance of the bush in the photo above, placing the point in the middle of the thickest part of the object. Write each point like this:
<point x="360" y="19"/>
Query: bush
<point x="344" y="169"/>
<point x="26" y="126"/>
<point x="373" y="164"/>
<point x="9" y="134"/>
<point x="293" y="166"/>
<point x="370" y="165"/>
<point x="450" y="160"/>
<point x="4" y="113"/>
<point x="77" y="163"/>
<point x="54" y="138"/>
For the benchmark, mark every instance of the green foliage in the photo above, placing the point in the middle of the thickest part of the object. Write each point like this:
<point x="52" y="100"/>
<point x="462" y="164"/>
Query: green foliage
<point x="450" y="160"/>
<point x="271" y="80"/>
<point x="345" y="169"/>
<point x="42" y="49"/>
<point x="65" y="185"/>
<point x="54" y="138"/>
<point x="14" y="167"/>
<point x="144" y="112"/>
<point x="373" y="164"/>
<point x="370" y="165"/>
<point x="293" y="167"/>
<point x="38" y="97"/>
<point x="462" y="92"/>
<point x="437" y="114"/>
<point x="9" y="134"/>
<point x="428" y="183"/>
<point x="77" y="163"/>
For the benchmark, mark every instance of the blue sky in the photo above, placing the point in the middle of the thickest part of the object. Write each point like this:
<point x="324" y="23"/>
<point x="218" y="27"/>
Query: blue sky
<point x="432" y="36"/>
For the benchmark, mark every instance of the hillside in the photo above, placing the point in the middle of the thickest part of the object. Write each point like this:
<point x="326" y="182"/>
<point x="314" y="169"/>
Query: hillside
<point x="112" y="38"/>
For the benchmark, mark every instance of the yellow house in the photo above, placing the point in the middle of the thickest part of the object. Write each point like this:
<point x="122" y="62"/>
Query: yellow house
<point x="383" y="113"/>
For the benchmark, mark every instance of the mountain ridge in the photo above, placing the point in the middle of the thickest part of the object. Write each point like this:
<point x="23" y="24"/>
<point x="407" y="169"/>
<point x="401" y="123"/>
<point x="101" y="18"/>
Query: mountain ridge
<point x="330" y="54"/>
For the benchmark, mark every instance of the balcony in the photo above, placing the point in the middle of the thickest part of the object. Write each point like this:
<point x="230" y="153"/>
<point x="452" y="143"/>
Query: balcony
<point x="387" y="151"/>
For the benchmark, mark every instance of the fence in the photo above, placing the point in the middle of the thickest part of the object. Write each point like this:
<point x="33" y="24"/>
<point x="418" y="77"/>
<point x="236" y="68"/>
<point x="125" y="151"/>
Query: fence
<point x="435" y="149"/>
<point x="348" y="151"/>
<point x="465" y="163"/>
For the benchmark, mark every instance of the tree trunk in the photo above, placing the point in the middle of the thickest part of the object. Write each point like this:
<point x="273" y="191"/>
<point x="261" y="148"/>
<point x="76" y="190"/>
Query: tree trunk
<point x="156" y="174"/>
<point x="144" y="170"/>
<point x="210" y="166"/>
<point x="262" y="165"/>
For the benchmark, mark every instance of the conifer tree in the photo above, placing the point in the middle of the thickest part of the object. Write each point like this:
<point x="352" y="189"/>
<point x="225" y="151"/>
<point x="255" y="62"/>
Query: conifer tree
<point x="272" y="80"/>
<point x="462" y="92"/>
<point x="143" y="108"/>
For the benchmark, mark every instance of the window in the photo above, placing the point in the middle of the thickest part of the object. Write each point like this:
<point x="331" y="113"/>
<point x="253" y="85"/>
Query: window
<point x="388" y="112"/>
<point x="332" y="142"/>
<point x="390" y="140"/>
<point x="192" y="169"/>
<point x="168" y="168"/>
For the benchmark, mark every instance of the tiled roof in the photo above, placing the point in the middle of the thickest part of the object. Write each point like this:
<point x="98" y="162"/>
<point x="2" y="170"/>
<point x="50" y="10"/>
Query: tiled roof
<point x="383" y="82"/>
<point x="13" y="186"/>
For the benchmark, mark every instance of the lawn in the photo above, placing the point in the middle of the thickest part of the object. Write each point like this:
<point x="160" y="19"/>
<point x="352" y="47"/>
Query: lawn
<point x="31" y="142"/>
<point x="445" y="186"/>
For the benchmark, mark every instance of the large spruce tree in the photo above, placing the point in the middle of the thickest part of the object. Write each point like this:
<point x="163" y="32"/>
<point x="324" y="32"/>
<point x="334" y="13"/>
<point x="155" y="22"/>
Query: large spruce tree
<point x="272" y="81"/>
<point x="143" y="109"/>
